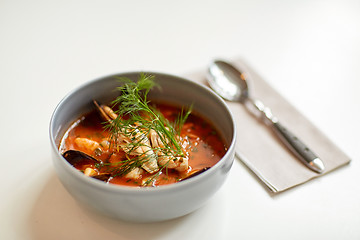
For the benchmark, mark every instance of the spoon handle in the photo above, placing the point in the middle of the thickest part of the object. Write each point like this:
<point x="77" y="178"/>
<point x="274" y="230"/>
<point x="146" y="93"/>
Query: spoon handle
<point x="298" y="147"/>
<point x="293" y="143"/>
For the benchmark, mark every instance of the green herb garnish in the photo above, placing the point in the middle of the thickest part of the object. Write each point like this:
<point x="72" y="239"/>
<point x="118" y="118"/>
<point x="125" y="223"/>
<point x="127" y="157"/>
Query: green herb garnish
<point x="136" y="118"/>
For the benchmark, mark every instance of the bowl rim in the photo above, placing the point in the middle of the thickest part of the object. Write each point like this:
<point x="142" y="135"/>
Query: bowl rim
<point x="133" y="189"/>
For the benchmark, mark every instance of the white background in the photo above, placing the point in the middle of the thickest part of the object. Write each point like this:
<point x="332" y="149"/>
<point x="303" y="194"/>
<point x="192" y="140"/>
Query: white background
<point x="307" y="50"/>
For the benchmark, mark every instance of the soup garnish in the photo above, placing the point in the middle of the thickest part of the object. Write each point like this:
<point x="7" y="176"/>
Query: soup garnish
<point x="141" y="143"/>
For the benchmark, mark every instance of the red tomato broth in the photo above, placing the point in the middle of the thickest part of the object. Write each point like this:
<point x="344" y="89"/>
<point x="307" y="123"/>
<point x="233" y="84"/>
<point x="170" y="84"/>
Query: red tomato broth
<point x="206" y="147"/>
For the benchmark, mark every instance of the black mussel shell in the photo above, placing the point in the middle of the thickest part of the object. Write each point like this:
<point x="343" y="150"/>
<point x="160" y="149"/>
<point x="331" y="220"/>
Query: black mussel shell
<point x="103" y="177"/>
<point x="195" y="173"/>
<point x="75" y="157"/>
<point x="78" y="158"/>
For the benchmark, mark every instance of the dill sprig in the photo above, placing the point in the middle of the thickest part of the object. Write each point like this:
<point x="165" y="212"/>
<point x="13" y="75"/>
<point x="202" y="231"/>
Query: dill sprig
<point x="136" y="118"/>
<point x="181" y="119"/>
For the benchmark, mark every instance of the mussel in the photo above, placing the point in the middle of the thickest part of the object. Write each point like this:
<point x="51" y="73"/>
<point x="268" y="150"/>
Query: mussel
<point x="105" y="112"/>
<point x="195" y="173"/>
<point x="75" y="157"/>
<point x="105" y="177"/>
<point x="78" y="158"/>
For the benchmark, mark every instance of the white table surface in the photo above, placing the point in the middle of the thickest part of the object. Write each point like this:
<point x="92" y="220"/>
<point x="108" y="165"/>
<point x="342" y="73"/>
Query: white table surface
<point x="308" y="50"/>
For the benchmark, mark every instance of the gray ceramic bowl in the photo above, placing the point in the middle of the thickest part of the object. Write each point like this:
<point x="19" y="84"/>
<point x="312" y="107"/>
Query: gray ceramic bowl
<point x="143" y="204"/>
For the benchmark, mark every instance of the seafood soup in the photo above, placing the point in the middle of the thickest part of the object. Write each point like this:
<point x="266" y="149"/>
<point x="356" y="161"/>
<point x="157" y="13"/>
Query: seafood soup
<point x="137" y="142"/>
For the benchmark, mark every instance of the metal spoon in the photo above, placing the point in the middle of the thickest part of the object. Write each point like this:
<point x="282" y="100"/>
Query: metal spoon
<point x="230" y="83"/>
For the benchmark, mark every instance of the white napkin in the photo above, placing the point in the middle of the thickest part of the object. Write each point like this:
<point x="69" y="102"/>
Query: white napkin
<point x="259" y="148"/>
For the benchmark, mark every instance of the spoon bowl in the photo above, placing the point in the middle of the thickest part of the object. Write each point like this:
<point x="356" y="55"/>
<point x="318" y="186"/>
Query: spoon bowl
<point x="227" y="81"/>
<point x="231" y="84"/>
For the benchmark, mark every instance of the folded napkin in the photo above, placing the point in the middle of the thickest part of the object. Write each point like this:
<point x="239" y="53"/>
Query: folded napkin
<point x="259" y="148"/>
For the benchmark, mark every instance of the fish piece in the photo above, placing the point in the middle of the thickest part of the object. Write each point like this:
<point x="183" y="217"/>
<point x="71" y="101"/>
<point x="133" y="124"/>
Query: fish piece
<point x="164" y="159"/>
<point x="87" y="144"/>
<point x="182" y="164"/>
<point x="135" y="173"/>
<point x="90" y="172"/>
<point x="142" y="148"/>
<point x="156" y="142"/>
